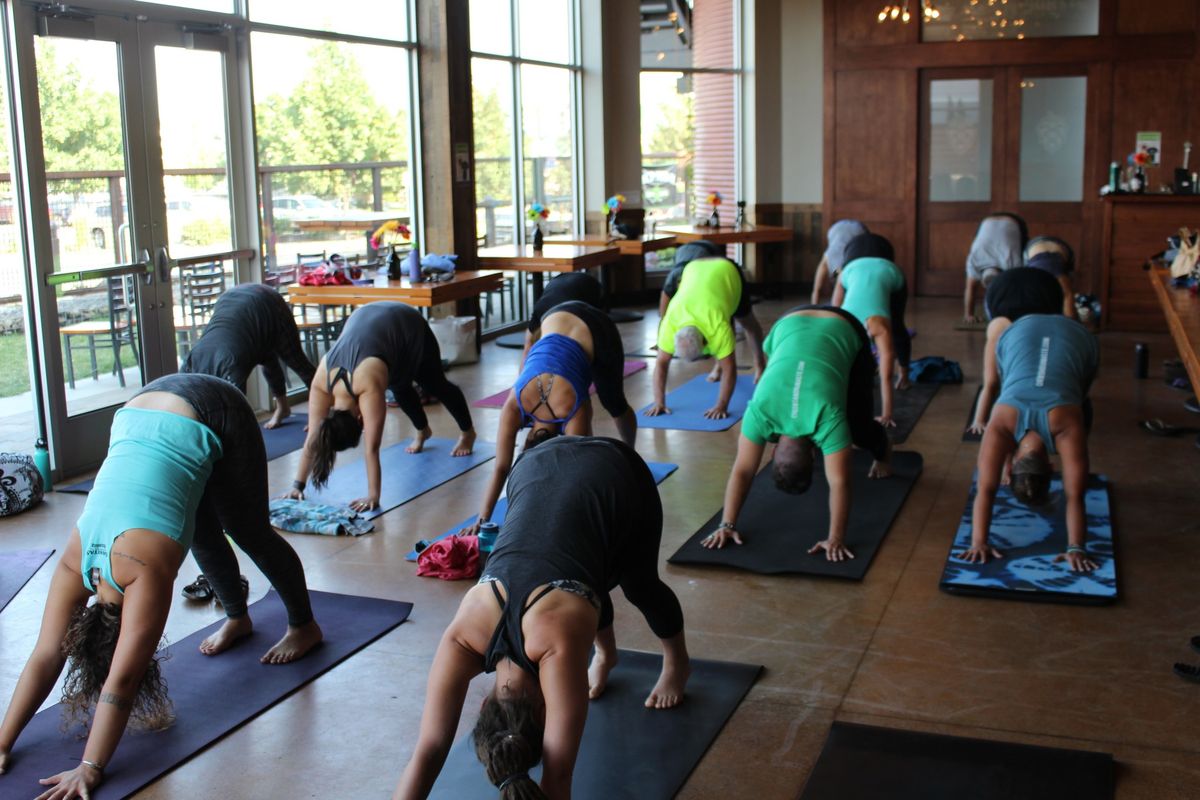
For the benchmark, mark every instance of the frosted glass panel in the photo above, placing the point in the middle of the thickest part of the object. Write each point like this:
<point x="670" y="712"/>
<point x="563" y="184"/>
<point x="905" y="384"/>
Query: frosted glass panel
<point x="960" y="141"/>
<point x="1052" y="120"/>
<point x="973" y="20"/>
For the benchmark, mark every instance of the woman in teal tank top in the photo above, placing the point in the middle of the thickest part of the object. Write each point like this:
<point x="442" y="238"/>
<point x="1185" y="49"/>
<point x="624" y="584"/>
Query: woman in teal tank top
<point x="1044" y="365"/>
<point x="186" y="465"/>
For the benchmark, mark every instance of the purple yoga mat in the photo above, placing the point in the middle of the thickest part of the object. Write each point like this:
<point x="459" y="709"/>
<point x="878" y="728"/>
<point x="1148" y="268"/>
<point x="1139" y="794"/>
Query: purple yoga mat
<point x="212" y="695"/>
<point x="497" y="400"/>
<point x="16" y="568"/>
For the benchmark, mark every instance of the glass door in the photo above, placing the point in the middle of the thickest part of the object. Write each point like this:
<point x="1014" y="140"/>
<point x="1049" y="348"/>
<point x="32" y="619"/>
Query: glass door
<point x="115" y="190"/>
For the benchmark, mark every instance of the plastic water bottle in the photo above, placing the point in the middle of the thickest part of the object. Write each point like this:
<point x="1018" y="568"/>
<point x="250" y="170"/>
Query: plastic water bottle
<point x="41" y="460"/>
<point x="1114" y="176"/>
<point x="488" y="531"/>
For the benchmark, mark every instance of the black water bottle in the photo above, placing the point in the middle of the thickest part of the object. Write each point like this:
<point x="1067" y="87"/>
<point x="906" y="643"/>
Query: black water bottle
<point x="1141" y="360"/>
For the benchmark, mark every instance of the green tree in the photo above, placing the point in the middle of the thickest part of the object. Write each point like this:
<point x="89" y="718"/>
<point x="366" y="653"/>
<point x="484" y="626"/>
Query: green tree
<point x="81" y="125"/>
<point x="493" y="140"/>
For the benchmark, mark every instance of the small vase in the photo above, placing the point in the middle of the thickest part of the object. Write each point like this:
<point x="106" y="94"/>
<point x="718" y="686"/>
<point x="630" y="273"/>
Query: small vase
<point x="741" y="214"/>
<point x="394" y="266"/>
<point x="714" y="219"/>
<point x="414" y="265"/>
<point x="538" y="238"/>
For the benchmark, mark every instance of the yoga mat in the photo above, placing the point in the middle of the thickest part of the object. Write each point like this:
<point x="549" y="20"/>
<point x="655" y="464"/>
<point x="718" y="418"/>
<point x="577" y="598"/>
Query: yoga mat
<point x="497" y="400"/>
<point x="83" y="487"/>
<point x="967" y="436"/>
<point x="628" y="751"/>
<point x="858" y="760"/>
<point x="778" y="528"/>
<point x="212" y="695"/>
<point x="689" y="402"/>
<point x="970" y="326"/>
<point x="287" y="437"/>
<point x="405" y="475"/>
<point x="658" y="470"/>
<point x="907" y="408"/>
<point x="16" y="568"/>
<point x="1030" y="538"/>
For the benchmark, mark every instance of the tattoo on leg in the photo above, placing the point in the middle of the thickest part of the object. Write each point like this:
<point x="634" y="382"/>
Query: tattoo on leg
<point x="129" y="557"/>
<point x="116" y="700"/>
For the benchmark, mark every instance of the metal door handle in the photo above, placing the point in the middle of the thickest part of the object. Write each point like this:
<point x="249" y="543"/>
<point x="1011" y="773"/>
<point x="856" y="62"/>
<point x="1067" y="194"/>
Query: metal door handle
<point x="164" y="264"/>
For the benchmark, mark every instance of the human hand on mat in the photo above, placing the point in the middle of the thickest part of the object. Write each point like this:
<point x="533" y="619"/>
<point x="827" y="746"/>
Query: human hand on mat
<point x="834" y="551"/>
<point x="78" y="782"/>
<point x="5" y="761"/>
<point x="365" y="504"/>
<point x="721" y="537"/>
<point x="886" y="421"/>
<point x="1079" y="562"/>
<point x="294" y="494"/>
<point x="658" y="409"/>
<point x="979" y="554"/>
<point x="976" y="428"/>
<point x="716" y="412"/>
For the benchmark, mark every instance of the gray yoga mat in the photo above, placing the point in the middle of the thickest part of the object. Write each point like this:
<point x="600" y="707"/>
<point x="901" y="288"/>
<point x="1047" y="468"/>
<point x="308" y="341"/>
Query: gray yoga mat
<point x="16" y="568"/>
<point x="859" y="760"/>
<point x="212" y="695"/>
<point x="628" y="750"/>
<point x="907" y="408"/>
<point x="779" y="528"/>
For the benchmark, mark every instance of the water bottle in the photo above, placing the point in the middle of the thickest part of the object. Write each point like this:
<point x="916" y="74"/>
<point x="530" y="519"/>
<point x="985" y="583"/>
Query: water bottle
<point x="1114" y="176"/>
<point x="41" y="460"/>
<point x="488" y="531"/>
<point x="1141" y="360"/>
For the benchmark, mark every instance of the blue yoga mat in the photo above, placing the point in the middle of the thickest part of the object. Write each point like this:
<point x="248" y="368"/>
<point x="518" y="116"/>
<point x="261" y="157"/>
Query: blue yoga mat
<point x="16" y="568"/>
<point x="83" y="487"/>
<point x="628" y="750"/>
<point x="689" y="402"/>
<point x="287" y="437"/>
<point x="213" y="695"/>
<point x="405" y="475"/>
<point x="658" y="470"/>
<point x="1030" y="538"/>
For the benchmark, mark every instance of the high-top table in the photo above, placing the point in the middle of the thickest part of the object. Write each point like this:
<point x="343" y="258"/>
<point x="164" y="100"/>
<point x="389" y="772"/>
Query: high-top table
<point x="633" y="257"/>
<point x="1182" y="311"/>
<point x="729" y="234"/>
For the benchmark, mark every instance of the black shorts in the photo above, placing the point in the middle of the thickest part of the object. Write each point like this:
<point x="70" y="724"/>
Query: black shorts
<point x="1023" y="290"/>
<point x="566" y="287"/>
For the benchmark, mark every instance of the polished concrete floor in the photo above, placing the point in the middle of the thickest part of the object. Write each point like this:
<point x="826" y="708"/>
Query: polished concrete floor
<point x="891" y="651"/>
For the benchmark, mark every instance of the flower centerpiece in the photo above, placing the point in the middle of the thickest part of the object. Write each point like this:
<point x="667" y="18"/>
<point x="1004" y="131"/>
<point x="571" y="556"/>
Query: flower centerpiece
<point x="714" y="200"/>
<point x="389" y="234"/>
<point x="537" y="212"/>
<point x="1138" y="161"/>
<point x="611" y="206"/>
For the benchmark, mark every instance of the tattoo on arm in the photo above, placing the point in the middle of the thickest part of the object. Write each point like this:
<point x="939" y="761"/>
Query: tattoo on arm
<point x="129" y="557"/>
<point x="116" y="700"/>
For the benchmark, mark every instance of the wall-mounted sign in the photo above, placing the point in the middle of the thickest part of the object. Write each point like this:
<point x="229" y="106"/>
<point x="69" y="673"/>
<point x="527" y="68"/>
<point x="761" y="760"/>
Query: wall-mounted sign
<point x="1150" y="143"/>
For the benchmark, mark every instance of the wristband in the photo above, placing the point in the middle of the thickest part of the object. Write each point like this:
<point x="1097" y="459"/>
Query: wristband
<point x="299" y="485"/>
<point x="92" y="764"/>
<point x="1076" y="548"/>
<point x="725" y="526"/>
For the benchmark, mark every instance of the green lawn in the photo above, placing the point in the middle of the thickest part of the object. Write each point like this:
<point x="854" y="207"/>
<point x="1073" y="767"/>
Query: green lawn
<point x="14" y="366"/>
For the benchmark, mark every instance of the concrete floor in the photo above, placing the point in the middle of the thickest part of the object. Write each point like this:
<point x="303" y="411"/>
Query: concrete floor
<point x="891" y="651"/>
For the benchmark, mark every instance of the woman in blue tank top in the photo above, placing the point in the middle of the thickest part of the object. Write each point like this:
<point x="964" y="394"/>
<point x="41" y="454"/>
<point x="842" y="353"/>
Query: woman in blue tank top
<point x="1044" y="365"/>
<point x="186" y="465"/>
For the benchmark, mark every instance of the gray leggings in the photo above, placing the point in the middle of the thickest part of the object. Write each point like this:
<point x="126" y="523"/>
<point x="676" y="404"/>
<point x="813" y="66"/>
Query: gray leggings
<point x="235" y="500"/>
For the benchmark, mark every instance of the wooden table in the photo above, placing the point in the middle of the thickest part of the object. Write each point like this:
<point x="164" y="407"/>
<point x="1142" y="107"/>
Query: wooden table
<point x="552" y="258"/>
<point x="1182" y="310"/>
<point x="729" y="234"/>
<point x="628" y="247"/>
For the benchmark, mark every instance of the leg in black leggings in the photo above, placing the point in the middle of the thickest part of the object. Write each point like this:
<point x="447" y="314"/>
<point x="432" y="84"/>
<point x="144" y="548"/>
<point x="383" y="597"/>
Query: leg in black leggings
<point x="433" y="380"/>
<point x="900" y="335"/>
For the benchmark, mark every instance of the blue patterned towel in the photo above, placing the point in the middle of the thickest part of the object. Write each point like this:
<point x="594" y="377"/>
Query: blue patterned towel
<point x="302" y="516"/>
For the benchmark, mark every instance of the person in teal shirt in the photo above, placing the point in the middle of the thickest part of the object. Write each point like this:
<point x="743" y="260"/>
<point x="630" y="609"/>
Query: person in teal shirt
<point x="815" y="394"/>
<point x="873" y="289"/>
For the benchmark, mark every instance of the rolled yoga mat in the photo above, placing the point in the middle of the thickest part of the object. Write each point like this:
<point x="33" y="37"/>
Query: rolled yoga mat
<point x="689" y="402"/>
<point x="907" y="408"/>
<point x="658" y="470"/>
<point x="16" y="568"/>
<point x="497" y="400"/>
<point x="779" y="528"/>
<point x="967" y="436"/>
<point x="213" y="695"/>
<point x="628" y="750"/>
<point x="1030" y="538"/>
<point x="405" y="475"/>
<point x="858" y="760"/>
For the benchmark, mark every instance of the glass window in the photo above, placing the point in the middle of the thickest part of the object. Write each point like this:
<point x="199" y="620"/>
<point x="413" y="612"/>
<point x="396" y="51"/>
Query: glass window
<point x="1053" y="114"/>
<point x="333" y="137"/>
<point x="223" y="6"/>
<point x="668" y="146"/>
<point x="966" y="20"/>
<point x="960" y="140"/>
<point x="545" y="30"/>
<point x="547" y="135"/>
<point x="491" y="27"/>
<point x="381" y="19"/>
<point x="491" y="89"/>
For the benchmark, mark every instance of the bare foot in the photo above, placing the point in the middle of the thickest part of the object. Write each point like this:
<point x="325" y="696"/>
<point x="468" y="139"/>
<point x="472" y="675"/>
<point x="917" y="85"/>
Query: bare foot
<point x="233" y="629"/>
<point x="879" y="469"/>
<point x="668" y="692"/>
<point x="294" y="644"/>
<point x="598" y="674"/>
<point x="282" y="411"/>
<point x="418" y="442"/>
<point x="465" y="444"/>
<point x="715" y="374"/>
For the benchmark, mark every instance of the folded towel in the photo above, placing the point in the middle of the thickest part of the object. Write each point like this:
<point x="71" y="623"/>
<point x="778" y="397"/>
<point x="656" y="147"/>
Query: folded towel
<point x="302" y="516"/>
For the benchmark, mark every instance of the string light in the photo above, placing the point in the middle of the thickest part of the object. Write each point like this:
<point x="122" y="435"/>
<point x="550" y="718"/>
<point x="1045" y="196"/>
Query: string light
<point x="900" y="12"/>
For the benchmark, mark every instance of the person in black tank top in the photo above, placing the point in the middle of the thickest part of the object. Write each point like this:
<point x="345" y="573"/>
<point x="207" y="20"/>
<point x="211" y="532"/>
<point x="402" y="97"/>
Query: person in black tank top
<point x="584" y="517"/>
<point x="384" y="345"/>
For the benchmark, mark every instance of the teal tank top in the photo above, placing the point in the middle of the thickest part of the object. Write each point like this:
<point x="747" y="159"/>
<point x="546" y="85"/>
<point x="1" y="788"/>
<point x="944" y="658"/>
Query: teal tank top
<point x="869" y="283"/>
<point x="153" y="477"/>
<point x="1045" y="361"/>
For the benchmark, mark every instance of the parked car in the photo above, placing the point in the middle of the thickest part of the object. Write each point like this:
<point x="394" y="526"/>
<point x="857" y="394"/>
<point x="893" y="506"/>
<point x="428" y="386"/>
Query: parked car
<point x="300" y="206"/>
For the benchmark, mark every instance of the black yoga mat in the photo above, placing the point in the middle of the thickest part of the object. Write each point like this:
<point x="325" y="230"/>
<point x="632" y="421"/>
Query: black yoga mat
<point x="859" y="760"/>
<point x="967" y="436"/>
<point x="629" y="751"/>
<point x="285" y="438"/>
<point x="16" y="568"/>
<point x="83" y="487"/>
<point x="907" y="408"/>
<point x="212" y="695"/>
<point x="778" y="528"/>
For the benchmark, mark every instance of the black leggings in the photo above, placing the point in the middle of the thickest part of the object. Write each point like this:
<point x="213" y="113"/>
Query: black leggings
<point x="900" y="335"/>
<point x="865" y="432"/>
<point x="432" y="378"/>
<point x="235" y="500"/>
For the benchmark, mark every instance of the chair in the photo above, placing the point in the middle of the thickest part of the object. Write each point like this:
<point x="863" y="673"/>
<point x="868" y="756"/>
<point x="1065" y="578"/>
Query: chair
<point x="320" y="326"/>
<point x="200" y="287"/>
<point x="117" y="331"/>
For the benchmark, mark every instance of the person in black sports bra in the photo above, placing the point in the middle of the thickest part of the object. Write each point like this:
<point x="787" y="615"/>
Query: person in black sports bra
<point x="384" y="345"/>
<point x="584" y="516"/>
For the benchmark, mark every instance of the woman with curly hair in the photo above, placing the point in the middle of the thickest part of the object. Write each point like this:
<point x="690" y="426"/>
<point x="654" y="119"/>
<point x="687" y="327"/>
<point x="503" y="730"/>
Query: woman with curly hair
<point x="584" y="516"/>
<point x="384" y="345"/>
<point x="185" y="466"/>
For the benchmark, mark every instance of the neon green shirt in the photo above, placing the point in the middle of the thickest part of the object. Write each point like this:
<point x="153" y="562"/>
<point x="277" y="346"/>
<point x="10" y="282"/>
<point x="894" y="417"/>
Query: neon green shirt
<point x="709" y="292"/>
<point x="869" y="283"/>
<point x="802" y="392"/>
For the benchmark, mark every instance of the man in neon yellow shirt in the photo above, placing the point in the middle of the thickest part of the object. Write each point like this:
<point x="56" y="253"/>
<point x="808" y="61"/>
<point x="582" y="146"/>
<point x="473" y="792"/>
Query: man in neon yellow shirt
<point x="815" y="393"/>
<point x="697" y="309"/>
